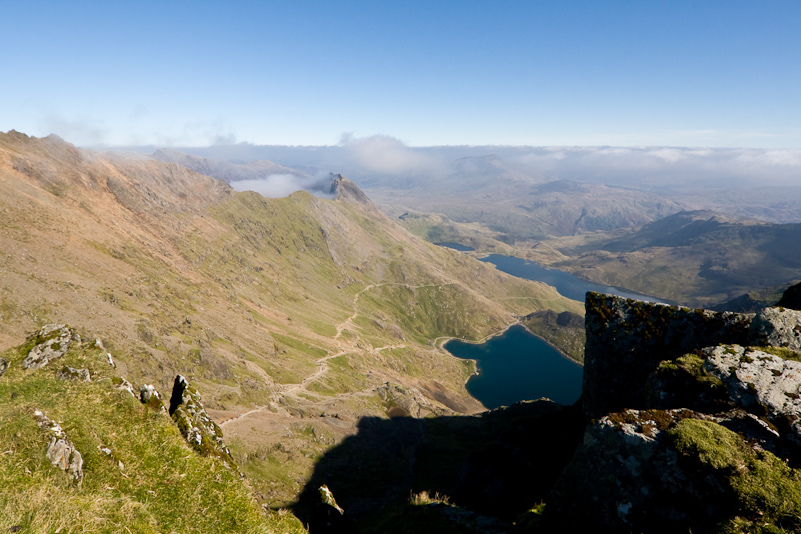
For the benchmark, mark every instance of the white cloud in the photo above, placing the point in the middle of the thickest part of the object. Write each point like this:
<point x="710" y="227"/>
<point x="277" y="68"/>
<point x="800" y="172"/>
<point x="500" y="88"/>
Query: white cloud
<point x="388" y="155"/>
<point x="282" y="185"/>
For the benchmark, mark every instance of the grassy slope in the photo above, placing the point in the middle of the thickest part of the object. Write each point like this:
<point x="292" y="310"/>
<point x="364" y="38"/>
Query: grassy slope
<point x="276" y="308"/>
<point x="698" y="258"/>
<point x="151" y="482"/>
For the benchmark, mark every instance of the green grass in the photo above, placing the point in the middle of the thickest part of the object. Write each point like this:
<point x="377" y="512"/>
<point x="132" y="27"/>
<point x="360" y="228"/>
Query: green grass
<point x="151" y="482"/>
<point x="763" y="486"/>
<point x="781" y="352"/>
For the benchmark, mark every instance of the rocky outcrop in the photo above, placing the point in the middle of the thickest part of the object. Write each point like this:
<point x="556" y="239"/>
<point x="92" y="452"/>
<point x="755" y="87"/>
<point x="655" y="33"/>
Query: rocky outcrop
<point x="120" y="383"/>
<point x="757" y="380"/>
<point x="791" y="298"/>
<point x="151" y="398"/>
<point x="70" y="373"/>
<point x="200" y="431"/>
<point x="60" y="450"/>
<point x="671" y="471"/>
<point x="776" y="327"/>
<point x="345" y="189"/>
<point x="51" y="342"/>
<point x="404" y="401"/>
<point x="627" y="339"/>
<point x="690" y="430"/>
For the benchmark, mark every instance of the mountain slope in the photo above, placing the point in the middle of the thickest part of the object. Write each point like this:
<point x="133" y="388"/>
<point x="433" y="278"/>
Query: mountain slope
<point x="276" y="309"/>
<point x="697" y="257"/>
<point x="224" y="170"/>
<point x="81" y="454"/>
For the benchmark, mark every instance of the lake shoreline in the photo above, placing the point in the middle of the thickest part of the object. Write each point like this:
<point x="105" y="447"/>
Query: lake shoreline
<point x="491" y="400"/>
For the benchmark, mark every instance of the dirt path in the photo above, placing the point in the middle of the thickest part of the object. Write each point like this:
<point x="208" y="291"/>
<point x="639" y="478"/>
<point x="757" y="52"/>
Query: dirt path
<point x="351" y="346"/>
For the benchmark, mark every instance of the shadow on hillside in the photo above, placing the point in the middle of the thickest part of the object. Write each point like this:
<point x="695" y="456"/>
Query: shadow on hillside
<point x="499" y="463"/>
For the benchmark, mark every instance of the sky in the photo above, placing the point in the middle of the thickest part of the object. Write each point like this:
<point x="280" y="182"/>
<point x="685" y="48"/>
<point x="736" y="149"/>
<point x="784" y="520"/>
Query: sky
<point x="436" y="72"/>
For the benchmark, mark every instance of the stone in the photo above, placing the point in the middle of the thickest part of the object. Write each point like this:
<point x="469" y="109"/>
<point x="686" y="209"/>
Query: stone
<point x="406" y="401"/>
<point x="99" y="345"/>
<point x="327" y="516"/>
<point x="120" y="383"/>
<point x="60" y="450"/>
<point x="761" y="382"/>
<point x="52" y="342"/>
<point x="3" y="366"/>
<point x="777" y="327"/>
<point x="199" y="430"/>
<point x="69" y="373"/>
<point x="151" y="397"/>
<point x="627" y="339"/>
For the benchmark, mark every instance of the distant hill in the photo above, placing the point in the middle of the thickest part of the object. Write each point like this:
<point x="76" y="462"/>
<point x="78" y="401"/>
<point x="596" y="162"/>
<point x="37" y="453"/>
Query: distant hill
<point x="224" y="170"/>
<point x="697" y="257"/>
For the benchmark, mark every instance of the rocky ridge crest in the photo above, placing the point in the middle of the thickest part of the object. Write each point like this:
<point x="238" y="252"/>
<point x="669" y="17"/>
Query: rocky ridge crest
<point x="694" y="422"/>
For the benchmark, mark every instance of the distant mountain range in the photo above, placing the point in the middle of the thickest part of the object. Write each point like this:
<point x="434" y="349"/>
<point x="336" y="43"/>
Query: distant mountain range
<point x="697" y="257"/>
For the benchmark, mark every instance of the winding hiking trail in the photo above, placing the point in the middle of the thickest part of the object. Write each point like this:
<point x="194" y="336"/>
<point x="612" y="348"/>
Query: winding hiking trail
<point x="351" y="346"/>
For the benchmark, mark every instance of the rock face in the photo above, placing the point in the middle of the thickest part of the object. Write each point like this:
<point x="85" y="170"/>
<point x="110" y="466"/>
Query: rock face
<point x="627" y="339"/>
<point x="757" y="380"/>
<point x="777" y="327"/>
<point x="70" y="373"/>
<point x="695" y="423"/>
<point x="791" y="298"/>
<point x="200" y="431"/>
<point x="52" y="341"/>
<point x="404" y="401"/>
<point x="60" y="450"/>
<point x="150" y="397"/>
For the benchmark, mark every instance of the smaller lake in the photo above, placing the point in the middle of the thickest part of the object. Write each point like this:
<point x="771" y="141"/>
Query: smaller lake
<point x="455" y="246"/>
<point x="566" y="284"/>
<point x="516" y="366"/>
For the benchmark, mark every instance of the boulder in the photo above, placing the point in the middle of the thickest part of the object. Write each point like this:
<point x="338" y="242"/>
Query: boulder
<point x="60" y="450"/>
<point x="151" y="397"/>
<point x="52" y="341"/>
<point x="199" y="430"/>
<point x="764" y="384"/>
<point x="776" y="327"/>
<point x="69" y="373"/>
<point x="3" y="366"/>
<point x="120" y="383"/>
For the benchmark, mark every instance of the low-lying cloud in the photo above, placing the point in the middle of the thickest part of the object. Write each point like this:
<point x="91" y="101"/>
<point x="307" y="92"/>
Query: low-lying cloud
<point x="282" y="185"/>
<point x="384" y="154"/>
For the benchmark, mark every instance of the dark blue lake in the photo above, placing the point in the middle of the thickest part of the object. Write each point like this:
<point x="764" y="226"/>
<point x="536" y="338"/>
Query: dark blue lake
<point x="517" y="365"/>
<point x="566" y="284"/>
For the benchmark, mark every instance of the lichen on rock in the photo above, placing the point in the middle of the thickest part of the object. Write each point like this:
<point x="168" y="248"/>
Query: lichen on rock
<point x="777" y="327"/>
<point x="151" y="398"/>
<point x="199" y="430"/>
<point x="70" y="373"/>
<point x="756" y="379"/>
<point x="52" y="341"/>
<point x="60" y="450"/>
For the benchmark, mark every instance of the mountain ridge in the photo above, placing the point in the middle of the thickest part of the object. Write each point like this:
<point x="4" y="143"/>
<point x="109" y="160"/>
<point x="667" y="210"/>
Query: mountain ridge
<point x="277" y="309"/>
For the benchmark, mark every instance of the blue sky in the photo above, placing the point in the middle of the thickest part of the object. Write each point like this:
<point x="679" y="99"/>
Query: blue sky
<point x="680" y="73"/>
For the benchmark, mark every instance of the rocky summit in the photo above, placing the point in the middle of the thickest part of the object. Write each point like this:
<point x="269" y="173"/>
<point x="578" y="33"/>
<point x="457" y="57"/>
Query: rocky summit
<point x="694" y="423"/>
